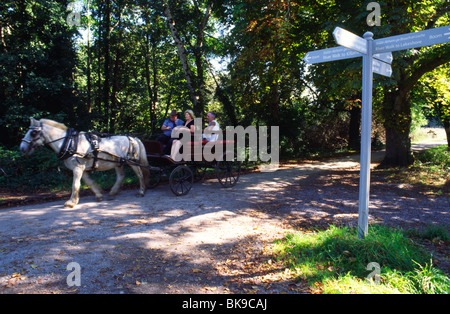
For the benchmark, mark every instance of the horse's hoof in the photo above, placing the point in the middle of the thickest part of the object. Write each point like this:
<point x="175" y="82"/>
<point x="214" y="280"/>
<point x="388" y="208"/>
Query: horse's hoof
<point x="140" y="194"/>
<point x="111" y="197"/>
<point x="69" y="204"/>
<point x="99" y="198"/>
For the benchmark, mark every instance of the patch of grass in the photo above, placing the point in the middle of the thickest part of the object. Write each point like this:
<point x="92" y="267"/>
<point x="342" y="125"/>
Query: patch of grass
<point x="431" y="168"/>
<point x="438" y="157"/>
<point x="336" y="261"/>
<point x="432" y="232"/>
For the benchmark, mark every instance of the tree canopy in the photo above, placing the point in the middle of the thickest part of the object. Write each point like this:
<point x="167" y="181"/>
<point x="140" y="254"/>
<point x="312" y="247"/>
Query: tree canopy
<point x="124" y="64"/>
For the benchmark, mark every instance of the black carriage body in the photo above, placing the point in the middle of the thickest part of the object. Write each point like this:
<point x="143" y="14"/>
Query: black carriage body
<point x="184" y="173"/>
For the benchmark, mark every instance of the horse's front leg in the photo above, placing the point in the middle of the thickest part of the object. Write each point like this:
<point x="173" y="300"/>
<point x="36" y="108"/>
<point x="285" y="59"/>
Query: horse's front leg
<point x="74" y="198"/>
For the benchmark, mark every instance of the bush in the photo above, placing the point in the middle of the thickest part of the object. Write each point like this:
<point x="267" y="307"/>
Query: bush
<point x="438" y="156"/>
<point x="41" y="170"/>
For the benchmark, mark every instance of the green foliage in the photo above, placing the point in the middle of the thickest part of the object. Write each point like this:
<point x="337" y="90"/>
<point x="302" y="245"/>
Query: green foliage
<point x="433" y="94"/>
<point x="37" y="59"/>
<point x="418" y="118"/>
<point x="435" y="232"/>
<point x="338" y="259"/>
<point x="126" y="75"/>
<point x="40" y="171"/>
<point x="435" y="157"/>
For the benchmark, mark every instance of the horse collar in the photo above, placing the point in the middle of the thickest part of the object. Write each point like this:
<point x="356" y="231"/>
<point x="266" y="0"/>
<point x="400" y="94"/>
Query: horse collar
<point x="69" y="146"/>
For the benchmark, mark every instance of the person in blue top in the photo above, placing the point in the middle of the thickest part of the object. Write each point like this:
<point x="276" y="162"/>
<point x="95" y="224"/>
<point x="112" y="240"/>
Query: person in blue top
<point x="167" y="127"/>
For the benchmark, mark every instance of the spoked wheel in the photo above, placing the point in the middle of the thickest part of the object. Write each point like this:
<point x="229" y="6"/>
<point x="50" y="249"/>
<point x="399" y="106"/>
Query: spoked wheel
<point x="228" y="170"/>
<point x="181" y="180"/>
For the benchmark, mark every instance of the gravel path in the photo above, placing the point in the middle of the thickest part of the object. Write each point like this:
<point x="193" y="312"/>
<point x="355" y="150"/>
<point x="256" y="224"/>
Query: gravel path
<point x="213" y="240"/>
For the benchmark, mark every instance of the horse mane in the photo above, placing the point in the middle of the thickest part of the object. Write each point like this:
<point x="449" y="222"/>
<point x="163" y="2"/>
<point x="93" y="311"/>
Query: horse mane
<point x="54" y="124"/>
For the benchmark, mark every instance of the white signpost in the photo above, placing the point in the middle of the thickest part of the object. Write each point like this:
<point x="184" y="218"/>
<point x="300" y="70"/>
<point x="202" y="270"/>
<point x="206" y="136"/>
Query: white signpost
<point x="377" y="58"/>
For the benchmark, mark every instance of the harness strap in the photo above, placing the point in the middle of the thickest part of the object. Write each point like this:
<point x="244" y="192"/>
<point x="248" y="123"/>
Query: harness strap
<point x="94" y="140"/>
<point x="69" y="146"/>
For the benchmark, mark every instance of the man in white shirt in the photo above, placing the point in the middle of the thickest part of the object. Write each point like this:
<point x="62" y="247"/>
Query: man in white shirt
<point x="213" y="125"/>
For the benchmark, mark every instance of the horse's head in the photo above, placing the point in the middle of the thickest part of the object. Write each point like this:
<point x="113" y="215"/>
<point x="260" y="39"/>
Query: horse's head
<point x="33" y="139"/>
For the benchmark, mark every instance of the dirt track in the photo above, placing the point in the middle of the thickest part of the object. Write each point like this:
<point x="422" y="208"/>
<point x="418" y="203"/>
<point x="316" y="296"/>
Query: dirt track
<point x="211" y="241"/>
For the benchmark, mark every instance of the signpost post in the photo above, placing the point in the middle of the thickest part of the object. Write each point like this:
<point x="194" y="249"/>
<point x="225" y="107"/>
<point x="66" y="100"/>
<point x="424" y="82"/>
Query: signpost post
<point x="377" y="58"/>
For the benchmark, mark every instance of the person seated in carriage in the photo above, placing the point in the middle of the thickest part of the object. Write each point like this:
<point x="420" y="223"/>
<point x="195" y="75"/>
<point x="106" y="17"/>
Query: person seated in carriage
<point x="176" y="144"/>
<point x="213" y="126"/>
<point x="200" y="139"/>
<point x="167" y="128"/>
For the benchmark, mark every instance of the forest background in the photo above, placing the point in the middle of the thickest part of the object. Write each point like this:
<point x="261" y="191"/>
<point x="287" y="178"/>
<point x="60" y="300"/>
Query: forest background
<point x="120" y="67"/>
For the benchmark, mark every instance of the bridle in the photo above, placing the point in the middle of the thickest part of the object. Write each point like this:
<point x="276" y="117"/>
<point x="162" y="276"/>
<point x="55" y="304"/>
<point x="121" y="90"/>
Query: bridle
<point x="36" y="134"/>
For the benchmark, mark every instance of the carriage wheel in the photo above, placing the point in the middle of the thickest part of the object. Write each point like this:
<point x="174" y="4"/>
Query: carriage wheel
<point x="181" y="180"/>
<point x="228" y="171"/>
<point x="155" y="178"/>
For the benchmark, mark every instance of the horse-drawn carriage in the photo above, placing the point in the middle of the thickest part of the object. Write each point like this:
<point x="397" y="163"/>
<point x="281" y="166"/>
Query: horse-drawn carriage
<point x="182" y="174"/>
<point x="84" y="151"/>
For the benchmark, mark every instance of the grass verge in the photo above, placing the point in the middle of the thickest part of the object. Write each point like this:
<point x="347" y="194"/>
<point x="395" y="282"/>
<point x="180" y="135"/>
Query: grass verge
<point x="336" y="261"/>
<point x="430" y="169"/>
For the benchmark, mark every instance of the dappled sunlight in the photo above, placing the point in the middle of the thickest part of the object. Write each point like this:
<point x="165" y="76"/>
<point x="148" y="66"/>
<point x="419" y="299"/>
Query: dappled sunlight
<point x="212" y="240"/>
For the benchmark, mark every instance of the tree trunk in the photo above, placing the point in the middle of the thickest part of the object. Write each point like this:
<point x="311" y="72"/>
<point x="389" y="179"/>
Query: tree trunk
<point x="98" y="94"/>
<point x="223" y="97"/>
<point x="200" y="105"/>
<point x="107" y="66"/>
<point x="397" y="115"/>
<point x="152" y="94"/>
<point x="196" y="84"/>
<point x="274" y="104"/>
<point x="447" y="131"/>
<point x="397" y="111"/>
<point x="354" y="136"/>
<point x="182" y="54"/>
<point x="398" y="149"/>
<point x="115" y="89"/>
<point x="198" y="53"/>
<point x="227" y="105"/>
<point x="89" y="78"/>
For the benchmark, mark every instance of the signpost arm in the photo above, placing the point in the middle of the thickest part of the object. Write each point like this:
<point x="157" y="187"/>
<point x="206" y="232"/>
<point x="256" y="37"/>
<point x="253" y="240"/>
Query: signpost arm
<point x="366" y="130"/>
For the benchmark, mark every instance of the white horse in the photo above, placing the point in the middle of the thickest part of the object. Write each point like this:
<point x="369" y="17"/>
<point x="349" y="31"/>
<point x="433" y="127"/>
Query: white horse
<point x="81" y="155"/>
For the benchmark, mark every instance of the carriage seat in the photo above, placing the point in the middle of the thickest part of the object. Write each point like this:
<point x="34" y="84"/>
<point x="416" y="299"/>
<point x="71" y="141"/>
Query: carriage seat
<point x="153" y="147"/>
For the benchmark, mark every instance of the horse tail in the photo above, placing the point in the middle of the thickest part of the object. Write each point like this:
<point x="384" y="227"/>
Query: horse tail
<point x="144" y="162"/>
